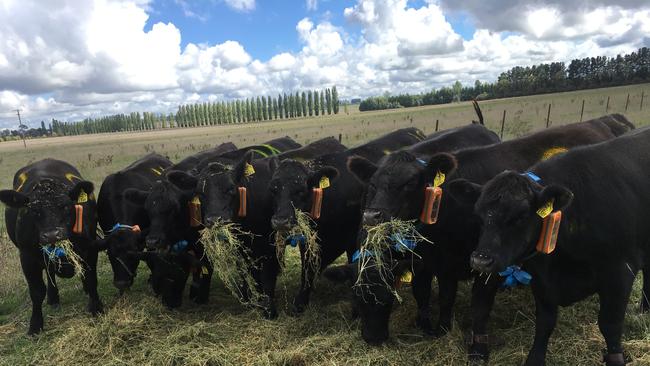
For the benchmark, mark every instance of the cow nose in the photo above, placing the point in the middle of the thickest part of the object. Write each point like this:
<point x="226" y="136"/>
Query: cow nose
<point x="211" y="221"/>
<point x="280" y="224"/>
<point x="481" y="262"/>
<point x="122" y="284"/>
<point x="52" y="236"/>
<point x="152" y="242"/>
<point x="371" y="217"/>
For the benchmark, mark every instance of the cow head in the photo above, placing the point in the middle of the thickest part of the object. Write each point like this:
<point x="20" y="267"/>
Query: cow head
<point x="123" y="246"/>
<point x="218" y="188"/>
<point x="49" y="207"/>
<point x="371" y="297"/>
<point x="508" y="207"/>
<point x="166" y="206"/>
<point x="396" y="188"/>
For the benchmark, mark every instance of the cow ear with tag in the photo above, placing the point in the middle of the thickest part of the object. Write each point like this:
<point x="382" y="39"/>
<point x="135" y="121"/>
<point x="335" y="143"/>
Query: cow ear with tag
<point x="438" y="167"/>
<point x="558" y="197"/>
<point x="464" y="191"/>
<point x="13" y="199"/>
<point x="323" y="177"/>
<point x="81" y="191"/>
<point x="244" y="168"/>
<point x="362" y="168"/>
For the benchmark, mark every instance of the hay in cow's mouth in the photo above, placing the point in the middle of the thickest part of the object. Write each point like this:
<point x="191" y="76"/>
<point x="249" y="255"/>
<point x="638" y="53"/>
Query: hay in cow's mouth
<point x="73" y="258"/>
<point x="376" y="251"/>
<point x="306" y="236"/>
<point x="231" y="260"/>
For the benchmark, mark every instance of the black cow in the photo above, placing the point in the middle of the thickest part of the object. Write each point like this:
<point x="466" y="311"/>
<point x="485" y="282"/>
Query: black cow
<point x="601" y="196"/>
<point x="217" y="188"/>
<point x="396" y="191"/>
<point x="123" y="223"/>
<point x="173" y="233"/>
<point x="193" y="160"/>
<point x="337" y="227"/>
<point x="51" y="202"/>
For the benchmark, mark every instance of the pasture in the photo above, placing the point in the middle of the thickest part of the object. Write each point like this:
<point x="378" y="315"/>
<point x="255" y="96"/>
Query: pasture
<point x="137" y="329"/>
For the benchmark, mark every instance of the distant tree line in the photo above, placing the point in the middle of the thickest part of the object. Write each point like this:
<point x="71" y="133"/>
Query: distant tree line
<point x="586" y="73"/>
<point x="312" y="103"/>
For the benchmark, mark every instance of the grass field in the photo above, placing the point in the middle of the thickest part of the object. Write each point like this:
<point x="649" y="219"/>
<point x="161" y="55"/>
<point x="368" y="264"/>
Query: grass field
<point x="136" y="329"/>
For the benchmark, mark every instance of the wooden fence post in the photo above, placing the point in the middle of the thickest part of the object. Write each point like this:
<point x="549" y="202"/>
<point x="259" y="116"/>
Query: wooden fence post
<point x="627" y="102"/>
<point x="437" y="125"/>
<point x="503" y="123"/>
<point x="642" y="95"/>
<point x="340" y="137"/>
<point x="582" y="111"/>
<point x="607" y="106"/>
<point x="548" y="115"/>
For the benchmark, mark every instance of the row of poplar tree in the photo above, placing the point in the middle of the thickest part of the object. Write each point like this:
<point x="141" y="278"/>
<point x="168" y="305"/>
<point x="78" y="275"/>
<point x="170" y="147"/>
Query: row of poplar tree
<point x="262" y="108"/>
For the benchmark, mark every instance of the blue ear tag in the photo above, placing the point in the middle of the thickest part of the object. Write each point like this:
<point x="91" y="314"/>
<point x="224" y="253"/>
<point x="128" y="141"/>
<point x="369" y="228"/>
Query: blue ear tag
<point x="294" y="240"/>
<point x="179" y="246"/>
<point x="514" y="276"/>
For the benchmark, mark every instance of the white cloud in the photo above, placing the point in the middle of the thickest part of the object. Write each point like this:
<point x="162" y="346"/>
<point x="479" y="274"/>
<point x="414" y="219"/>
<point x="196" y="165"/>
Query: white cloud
<point x="311" y="5"/>
<point x="241" y="5"/>
<point x="80" y="58"/>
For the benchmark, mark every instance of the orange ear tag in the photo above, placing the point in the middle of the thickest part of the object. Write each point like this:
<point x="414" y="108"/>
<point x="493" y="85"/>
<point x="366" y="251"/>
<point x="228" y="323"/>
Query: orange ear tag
<point x="316" y="202"/>
<point x="136" y="229"/>
<point x="194" y="207"/>
<point x="242" y="202"/>
<point x="550" y="229"/>
<point x="78" y="227"/>
<point x="432" y="199"/>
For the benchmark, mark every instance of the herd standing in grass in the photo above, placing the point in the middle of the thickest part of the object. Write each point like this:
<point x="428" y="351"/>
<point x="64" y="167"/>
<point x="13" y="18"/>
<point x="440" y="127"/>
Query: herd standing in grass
<point x="562" y="209"/>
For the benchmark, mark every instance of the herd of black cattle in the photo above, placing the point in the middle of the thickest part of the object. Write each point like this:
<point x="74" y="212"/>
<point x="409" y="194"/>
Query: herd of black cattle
<point x="567" y="206"/>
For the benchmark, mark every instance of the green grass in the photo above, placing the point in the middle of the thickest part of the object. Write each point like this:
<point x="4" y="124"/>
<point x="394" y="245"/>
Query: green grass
<point x="136" y="329"/>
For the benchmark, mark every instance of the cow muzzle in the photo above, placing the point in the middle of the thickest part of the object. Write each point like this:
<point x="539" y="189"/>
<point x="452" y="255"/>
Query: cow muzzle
<point x="482" y="262"/>
<point x="281" y="224"/>
<point x="52" y="236"/>
<point x="371" y="217"/>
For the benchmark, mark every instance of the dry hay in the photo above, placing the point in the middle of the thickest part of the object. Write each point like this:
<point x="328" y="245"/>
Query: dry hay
<point x="375" y="251"/>
<point x="72" y="257"/>
<point x="308" y="239"/>
<point x="232" y="260"/>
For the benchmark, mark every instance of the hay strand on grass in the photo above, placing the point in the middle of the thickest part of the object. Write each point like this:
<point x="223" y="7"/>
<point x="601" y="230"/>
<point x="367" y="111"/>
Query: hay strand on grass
<point x="304" y="232"/>
<point x="377" y="249"/>
<point x="232" y="261"/>
<point x="72" y="257"/>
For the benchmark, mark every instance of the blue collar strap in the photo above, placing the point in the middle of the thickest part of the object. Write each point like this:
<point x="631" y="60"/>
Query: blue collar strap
<point x="533" y="176"/>
<point x="295" y="240"/>
<point x="179" y="246"/>
<point x="119" y="226"/>
<point x="514" y="276"/>
<point x="52" y="253"/>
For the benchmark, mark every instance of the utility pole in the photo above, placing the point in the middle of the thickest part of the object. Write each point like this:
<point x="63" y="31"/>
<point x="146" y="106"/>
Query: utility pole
<point x="22" y="128"/>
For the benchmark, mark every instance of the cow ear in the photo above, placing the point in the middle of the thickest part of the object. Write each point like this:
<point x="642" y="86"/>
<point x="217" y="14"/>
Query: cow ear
<point x="13" y="199"/>
<point x="317" y="178"/>
<point x="274" y="163"/>
<point x="363" y="169"/>
<point x="182" y="180"/>
<point x="560" y="196"/>
<point x="136" y="196"/>
<point x="442" y="162"/>
<point x="84" y="185"/>
<point x="342" y="273"/>
<point x="464" y="191"/>
<point x="244" y="167"/>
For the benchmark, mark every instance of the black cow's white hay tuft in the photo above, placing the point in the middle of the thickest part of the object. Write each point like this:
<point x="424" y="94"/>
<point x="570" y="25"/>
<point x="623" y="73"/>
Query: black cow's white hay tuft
<point x="70" y="256"/>
<point x="231" y="260"/>
<point x="376" y="252"/>
<point x="303" y="230"/>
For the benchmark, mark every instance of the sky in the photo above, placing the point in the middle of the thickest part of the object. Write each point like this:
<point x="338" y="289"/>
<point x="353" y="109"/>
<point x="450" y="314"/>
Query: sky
<point x="72" y="59"/>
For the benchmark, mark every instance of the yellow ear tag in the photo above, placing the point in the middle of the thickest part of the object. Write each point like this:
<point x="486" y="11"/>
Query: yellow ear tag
<point x="196" y="200"/>
<point x="249" y="170"/>
<point x="324" y="182"/>
<point x="22" y="178"/>
<point x="546" y="209"/>
<point x="156" y="171"/>
<point x="204" y="270"/>
<point x="83" y="197"/>
<point x="439" y="179"/>
<point x="406" y="278"/>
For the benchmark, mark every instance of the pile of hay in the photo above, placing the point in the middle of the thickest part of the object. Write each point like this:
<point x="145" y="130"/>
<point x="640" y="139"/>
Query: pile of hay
<point x="375" y="253"/>
<point x="232" y="261"/>
<point x="70" y="255"/>
<point x="308" y="237"/>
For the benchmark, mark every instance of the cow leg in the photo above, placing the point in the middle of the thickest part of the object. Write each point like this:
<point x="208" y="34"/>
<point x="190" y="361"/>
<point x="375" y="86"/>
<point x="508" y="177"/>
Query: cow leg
<point x="545" y="320"/>
<point x="422" y="292"/>
<point x="52" y="291"/>
<point x="200" y="288"/>
<point x="483" y="295"/>
<point x="268" y="277"/>
<point x="614" y="294"/>
<point x="645" y="293"/>
<point x="34" y="275"/>
<point x="448" y="286"/>
<point x="89" y="281"/>
<point x="308" y="274"/>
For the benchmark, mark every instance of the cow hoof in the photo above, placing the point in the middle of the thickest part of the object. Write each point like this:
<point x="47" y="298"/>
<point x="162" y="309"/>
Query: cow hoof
<point x="54" y="303"/>
<point x="270" y="313"/>
<point x="425" y="326"/>
<point x="200" y="299"/>
<point x="55" y="306"/>
<point x="34" y="329"/>
<point x="95" y="307"/>
<point x="298" y="309"/>
<point x="478" y="354"/>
